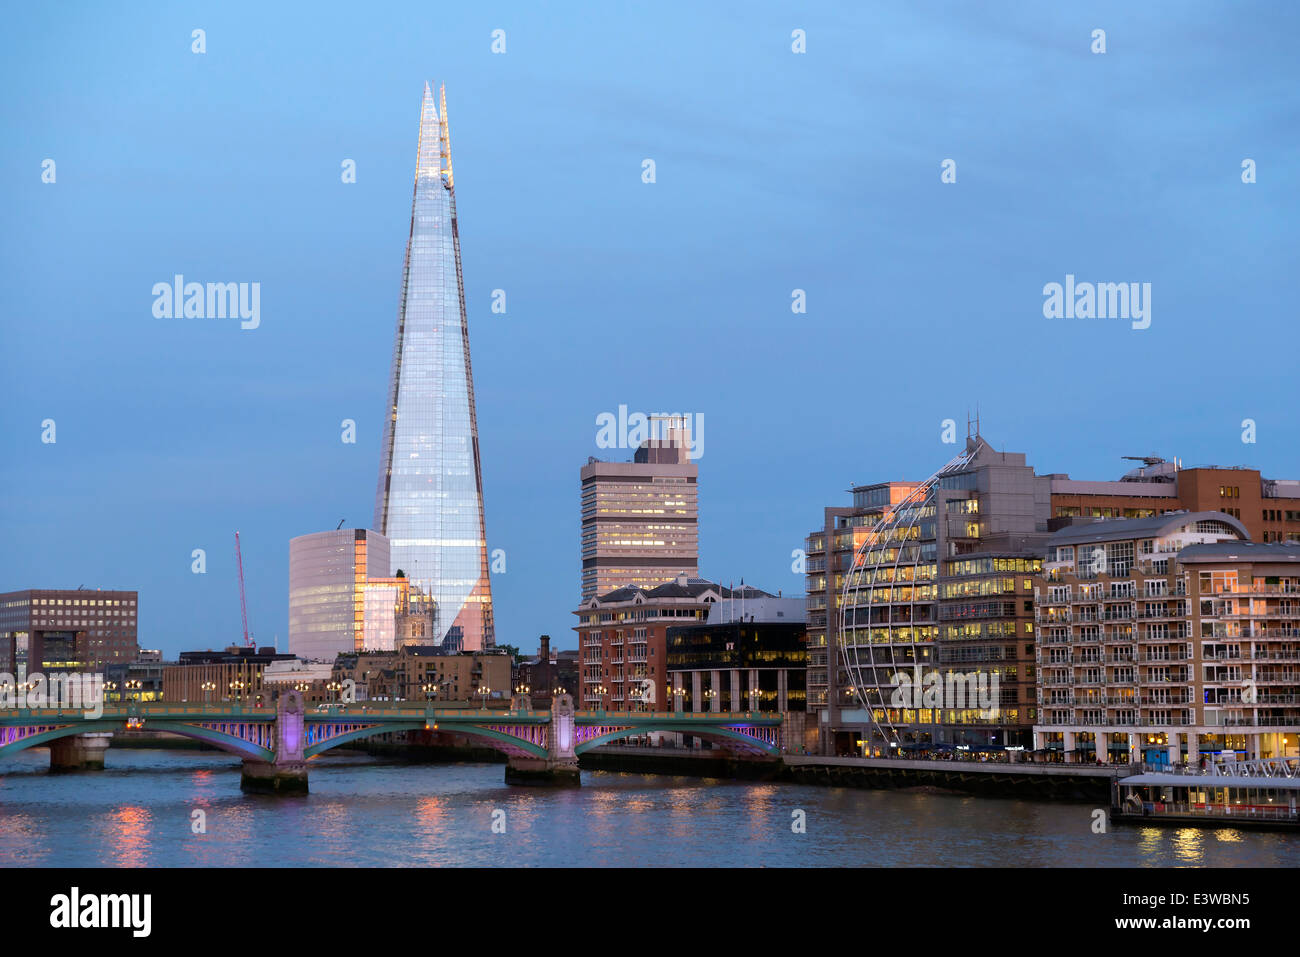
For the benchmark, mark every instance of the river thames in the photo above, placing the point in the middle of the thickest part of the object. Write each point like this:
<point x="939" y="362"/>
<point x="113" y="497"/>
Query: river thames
<point x="139" y="811"/>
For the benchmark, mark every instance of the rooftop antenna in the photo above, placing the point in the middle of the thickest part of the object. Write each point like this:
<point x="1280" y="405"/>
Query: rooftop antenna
<point x="340" y="524"/>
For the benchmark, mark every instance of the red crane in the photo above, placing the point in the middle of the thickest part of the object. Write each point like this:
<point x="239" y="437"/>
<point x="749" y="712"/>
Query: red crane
<point x="243" y="603"/>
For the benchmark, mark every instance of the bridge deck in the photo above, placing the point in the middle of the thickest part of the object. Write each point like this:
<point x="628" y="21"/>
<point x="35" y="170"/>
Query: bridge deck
<point x="384" y="712"/>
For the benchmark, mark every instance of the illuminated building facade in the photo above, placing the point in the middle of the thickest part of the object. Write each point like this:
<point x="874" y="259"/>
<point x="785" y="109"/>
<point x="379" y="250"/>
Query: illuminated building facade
<point x="328" y="575"/>
<point x="623" y="635"/>
<point x="429" y="501"/>
<point x="386" y="601"/>
<point x="59" y="630"/>
<point x="828" y="555"/>
<point x="1167" y="640"/>
<point x="941" y="589"/>
<point x="755" y="660"/>
<point x="640" y="519"/>
<point x="140" y="680"/>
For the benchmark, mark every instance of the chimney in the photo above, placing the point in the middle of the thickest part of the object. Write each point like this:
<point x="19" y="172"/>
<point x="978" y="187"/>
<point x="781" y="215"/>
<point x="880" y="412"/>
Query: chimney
<point x="545" y="653"/>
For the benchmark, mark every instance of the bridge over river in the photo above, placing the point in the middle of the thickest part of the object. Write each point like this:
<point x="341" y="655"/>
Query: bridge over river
<point x="276" y="744"/>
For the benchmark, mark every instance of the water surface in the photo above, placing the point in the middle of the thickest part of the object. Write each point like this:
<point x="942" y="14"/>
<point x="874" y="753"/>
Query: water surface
<point x="138" y="812"/>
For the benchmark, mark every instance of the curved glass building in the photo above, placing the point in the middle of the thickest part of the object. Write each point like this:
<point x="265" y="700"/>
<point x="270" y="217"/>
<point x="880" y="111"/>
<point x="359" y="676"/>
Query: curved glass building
<point x="328" y="572"/>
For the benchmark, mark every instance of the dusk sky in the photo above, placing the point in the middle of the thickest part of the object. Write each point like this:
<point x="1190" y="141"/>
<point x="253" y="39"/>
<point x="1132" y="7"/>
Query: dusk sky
<point x="775" y="171"/>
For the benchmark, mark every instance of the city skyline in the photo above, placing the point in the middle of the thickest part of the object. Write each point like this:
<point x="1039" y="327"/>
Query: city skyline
<point x="232" y="419"/>
<point x="811" y="436"/>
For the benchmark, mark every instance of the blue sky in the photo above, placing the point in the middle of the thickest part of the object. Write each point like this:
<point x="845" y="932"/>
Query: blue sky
<point x="774" y="171"/>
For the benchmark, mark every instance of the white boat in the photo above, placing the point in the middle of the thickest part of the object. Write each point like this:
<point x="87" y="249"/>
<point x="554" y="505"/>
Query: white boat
<point x="1260" y="793"/>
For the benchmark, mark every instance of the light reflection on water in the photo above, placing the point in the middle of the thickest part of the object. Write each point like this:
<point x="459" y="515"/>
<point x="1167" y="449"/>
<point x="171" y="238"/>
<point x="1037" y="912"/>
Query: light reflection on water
<point x="127" y="837"/>
<point x="139" y="812"/>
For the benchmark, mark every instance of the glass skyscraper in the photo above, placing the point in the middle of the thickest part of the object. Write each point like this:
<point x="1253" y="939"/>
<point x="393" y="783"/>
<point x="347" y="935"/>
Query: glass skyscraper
<point x="430" y="497"/>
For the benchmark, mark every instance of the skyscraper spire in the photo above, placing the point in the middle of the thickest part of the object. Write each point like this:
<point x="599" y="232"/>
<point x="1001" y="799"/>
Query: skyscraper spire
<point x="430" y="497"/>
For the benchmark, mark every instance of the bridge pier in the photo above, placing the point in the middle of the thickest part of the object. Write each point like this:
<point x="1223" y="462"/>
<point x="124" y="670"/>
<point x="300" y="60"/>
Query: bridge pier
<point x="266" y="777"/>
<point x="286" y="773"/>
<point x="79" y="752"/>
<point x="560" y="766"/>
<point x="542" y="771"/>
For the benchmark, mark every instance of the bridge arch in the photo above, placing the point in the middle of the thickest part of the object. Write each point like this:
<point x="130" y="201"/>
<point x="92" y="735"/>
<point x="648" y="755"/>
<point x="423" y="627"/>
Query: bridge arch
<point x="722" y="735"/>
<point x="497" y="740"/>
<point x="229" y="743"/>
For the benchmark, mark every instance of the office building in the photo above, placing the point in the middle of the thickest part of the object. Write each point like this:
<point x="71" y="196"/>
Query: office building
<point x="429" y="502"/>
<point x="640" y="519"/>
<point x="139" y="680"/>
<point x="231" y="676"/>
<point x="623" y="639"/>
<point x="750" y="654"/>
<point x="1268" y="508"/>
<point x="828" y="556"/>
<point x="328" y="575"/>
<point x="941" y="594"/>
<point x="51" y="630"/>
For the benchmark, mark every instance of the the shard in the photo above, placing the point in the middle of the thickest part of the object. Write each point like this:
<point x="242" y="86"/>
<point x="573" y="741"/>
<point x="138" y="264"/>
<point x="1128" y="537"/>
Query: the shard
<point x="430" y="498"/>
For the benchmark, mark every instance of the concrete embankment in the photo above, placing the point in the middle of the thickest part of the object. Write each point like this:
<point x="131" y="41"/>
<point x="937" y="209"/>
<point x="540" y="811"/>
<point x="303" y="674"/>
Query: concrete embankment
<point x="1041" y="781"/>
<point x="690" y="763"/>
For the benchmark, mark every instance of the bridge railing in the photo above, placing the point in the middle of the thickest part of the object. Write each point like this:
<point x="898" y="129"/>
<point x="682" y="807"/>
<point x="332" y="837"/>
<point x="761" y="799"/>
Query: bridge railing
<point x="143" y="710"/>
<point x="194" y="710"/>
<point x="696" y="717"/>
<point x="413" y="711"/>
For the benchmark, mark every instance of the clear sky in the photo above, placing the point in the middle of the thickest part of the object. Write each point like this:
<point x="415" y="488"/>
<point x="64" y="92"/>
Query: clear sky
<point x="775" y="171"/>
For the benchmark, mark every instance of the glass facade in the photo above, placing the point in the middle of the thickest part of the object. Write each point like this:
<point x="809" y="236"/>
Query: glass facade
<point x="430" y="497"/>
<point x="386" y="601"/>
<point x="942" y="591"/>
<point x="328" y="573"/>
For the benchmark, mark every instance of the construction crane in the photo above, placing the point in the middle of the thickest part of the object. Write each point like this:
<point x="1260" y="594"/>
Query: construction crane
<point x="1147" y="460"/>
<point x="243" y="603"/>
